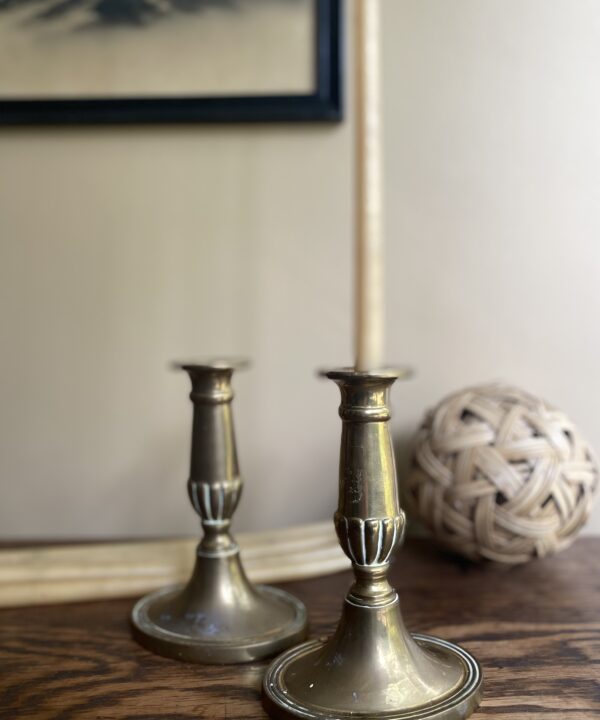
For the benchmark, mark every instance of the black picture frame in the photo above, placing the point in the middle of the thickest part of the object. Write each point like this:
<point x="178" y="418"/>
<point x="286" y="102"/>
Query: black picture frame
<point x="322" y="105"/>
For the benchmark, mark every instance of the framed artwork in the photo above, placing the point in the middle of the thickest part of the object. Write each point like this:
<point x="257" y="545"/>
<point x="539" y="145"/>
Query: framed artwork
<point x="170" y="61"/>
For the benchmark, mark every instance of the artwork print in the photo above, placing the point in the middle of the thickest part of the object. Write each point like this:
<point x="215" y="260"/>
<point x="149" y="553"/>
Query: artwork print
<point x="182" y="60"/>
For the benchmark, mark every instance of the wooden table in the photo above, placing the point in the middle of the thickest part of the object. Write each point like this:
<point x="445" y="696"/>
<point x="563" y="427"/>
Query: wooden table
<point x="534" y="628"/>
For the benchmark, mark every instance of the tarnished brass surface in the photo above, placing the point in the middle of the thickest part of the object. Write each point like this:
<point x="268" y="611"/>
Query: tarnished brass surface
<point x="219" y="616"/>
<point x="371" y="667"/>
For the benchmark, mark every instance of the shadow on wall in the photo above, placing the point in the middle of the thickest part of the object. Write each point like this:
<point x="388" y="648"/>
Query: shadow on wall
<point x="403" y="445"/>
<point x="162" y="466"/>
<point x="272" y="504"/>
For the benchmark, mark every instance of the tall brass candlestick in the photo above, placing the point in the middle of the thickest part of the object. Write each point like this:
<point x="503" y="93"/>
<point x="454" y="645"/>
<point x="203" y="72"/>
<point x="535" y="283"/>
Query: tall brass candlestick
<point x="219" y="616"/>
<point x="371" y="667"/>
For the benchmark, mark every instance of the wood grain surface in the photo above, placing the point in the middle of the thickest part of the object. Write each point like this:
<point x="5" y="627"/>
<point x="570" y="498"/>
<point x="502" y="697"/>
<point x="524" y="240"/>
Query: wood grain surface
<point x="534" y="628"/>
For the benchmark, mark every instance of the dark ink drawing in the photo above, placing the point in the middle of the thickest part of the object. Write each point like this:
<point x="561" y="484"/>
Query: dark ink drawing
<point x="111" y="13"/>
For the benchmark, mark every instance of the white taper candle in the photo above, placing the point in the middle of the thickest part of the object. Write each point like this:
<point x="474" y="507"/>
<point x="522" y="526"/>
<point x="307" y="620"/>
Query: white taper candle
<point x="369" y="288"/>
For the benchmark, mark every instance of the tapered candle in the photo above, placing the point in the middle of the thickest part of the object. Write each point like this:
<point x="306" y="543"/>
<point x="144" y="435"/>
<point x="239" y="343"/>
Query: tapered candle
<point x="369" y="288"/>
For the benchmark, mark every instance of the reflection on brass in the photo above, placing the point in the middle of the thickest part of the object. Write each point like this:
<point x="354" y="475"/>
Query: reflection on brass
<point x="219" y="616"/>
<point x="371" y="667"/>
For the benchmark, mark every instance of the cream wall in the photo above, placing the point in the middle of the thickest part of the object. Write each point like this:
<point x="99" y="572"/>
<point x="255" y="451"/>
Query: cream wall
<point x="124" y="248"/>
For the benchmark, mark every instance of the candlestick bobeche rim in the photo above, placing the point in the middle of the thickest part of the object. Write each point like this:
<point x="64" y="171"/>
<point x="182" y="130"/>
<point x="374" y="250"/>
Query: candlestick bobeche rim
<point x="349" y="372"/>
<point x="212" y="363"/>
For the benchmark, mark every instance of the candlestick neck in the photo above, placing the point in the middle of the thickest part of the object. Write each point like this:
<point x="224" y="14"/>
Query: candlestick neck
<point x="214" y="484"/>
<point x="369" y="521"/>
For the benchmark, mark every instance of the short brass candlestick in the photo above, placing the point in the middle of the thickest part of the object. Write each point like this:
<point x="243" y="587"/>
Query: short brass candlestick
<point x="371" y="667"/>
<point x="219" y="616"/>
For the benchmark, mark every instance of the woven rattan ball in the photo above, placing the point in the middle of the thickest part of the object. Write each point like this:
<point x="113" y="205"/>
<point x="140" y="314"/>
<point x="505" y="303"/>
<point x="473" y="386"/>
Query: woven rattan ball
<point x="501" y="475"/>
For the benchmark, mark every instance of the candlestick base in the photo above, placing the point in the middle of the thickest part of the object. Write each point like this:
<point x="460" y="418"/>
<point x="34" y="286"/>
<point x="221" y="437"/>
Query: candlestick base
<point x="372" y="668"/>
<point x="219" y="616"/>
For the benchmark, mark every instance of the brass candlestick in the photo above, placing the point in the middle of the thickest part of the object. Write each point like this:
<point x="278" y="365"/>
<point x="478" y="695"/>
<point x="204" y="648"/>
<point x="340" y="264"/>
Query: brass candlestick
<point x="371" y="667"/>
<point x="219" y="616"/>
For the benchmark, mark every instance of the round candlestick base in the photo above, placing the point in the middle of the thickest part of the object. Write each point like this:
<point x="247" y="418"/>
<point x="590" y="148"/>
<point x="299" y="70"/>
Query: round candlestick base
<point x="166" y="624"/>
<point x="372" y="668"/>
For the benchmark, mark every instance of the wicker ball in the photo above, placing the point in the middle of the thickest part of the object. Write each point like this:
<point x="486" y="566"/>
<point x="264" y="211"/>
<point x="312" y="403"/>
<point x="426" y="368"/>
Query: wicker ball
<point x="499" y="474"/>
